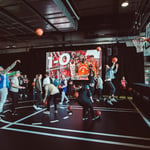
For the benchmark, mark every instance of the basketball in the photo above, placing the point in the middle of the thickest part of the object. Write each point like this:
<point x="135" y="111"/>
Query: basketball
<point x="33" y="83"/>
<point x="114" y="59"/>
<point x="69" y="108"/>
<point x="98" y="113"/>
<point x="45" y="103"/>
<point x="39" y="31"/>
<point x="99" y="48"/>
<point x="59" y="86"/>
<point x="76" y="94"/>
<point x="130" y="89"/>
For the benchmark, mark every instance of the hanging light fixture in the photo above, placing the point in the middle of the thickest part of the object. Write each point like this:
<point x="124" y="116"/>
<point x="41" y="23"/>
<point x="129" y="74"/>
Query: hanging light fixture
<point x="124" y="3"/>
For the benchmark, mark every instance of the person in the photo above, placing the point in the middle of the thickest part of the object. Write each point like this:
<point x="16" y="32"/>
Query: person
<point x="38" y="89"/>
<point x="82" y="68"/>
<point x="123" y="87"/>
<point x="86" y="101"/>
<point x="108" y="79"/>
<point x="46" y="80"/>
<point x="14" y="91"/>
<point x="26" y="85"/>
<point x="64" y="90"/>
<point x="51" y="94"/>
<point x="91" y="78"/>
<point x="56" y="81"/>
<point x="33" y="86"/>
<point x="4" y="84"/>
<point x="93" y="63"/>
<point x="99" y="87"/>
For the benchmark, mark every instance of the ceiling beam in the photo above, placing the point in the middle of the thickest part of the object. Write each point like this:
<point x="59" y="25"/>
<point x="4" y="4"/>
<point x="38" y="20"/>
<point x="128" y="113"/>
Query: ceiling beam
<point x="38" y="14"/>
<point x="13" y="18"/>
<point x="64" y="10"/>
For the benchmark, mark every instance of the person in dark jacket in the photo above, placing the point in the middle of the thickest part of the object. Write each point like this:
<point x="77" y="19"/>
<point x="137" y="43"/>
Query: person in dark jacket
<point x="85" y="100"/>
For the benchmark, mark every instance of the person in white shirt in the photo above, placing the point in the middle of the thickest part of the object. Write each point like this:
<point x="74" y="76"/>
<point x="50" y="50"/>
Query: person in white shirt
<point x="46" y="80"/>
<point x="99" y="87"/>
<point x="14" y="91"/>
<point x="51" y="94"/>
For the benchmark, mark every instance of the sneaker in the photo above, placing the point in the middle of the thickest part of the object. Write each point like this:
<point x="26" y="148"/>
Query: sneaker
<point x="109" y="102"/>
<point x="113" y="100"/>
<point x="97" y="100"/>
<point x="56" y="111"/>
<point x="67" y="102"/>
<point x="105" y="99"/>
<point x="60" y="103"/>
<point x="46" y="112"/>
<point x="96" y="117"/>
<point x="85" y="118"/>
<point x="37" y="108"/>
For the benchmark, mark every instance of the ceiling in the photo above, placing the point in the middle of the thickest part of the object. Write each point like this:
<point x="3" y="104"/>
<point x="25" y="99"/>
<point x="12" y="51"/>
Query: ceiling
<point x="63" y="20"/>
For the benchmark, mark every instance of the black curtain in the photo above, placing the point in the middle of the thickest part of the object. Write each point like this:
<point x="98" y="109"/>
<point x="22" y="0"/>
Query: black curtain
<point x="131" y="63"/>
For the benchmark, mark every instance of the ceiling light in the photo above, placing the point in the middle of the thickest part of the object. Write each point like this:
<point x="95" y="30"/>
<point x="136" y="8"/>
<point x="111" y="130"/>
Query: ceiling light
<point x="125" y="3"/>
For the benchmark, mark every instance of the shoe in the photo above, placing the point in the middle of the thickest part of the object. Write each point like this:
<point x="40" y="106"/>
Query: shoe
<point x="46" y="112"/>
<point x="60" y="103"/>
<point x="96" y="117"/>
<point x="85" y="118"/>
<point x="105" y="99"/>
<point x="37" y="108"/>
<point x="109" y="102"/>
<point x="113" y="100"/>
<point x="97" y="100"/>
<point x="56" y="111"/>
<point x="67" y="102"/>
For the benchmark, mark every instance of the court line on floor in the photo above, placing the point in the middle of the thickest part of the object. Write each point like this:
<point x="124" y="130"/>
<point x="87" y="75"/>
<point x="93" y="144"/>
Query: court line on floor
<point x="84" y="132"/>
<point x="12" y="123"/>
<point x="141" y="114"/>
<point x="80" y="138"/>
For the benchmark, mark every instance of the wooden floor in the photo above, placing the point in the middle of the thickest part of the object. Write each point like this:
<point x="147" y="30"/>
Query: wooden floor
<point x="121" y="127"/>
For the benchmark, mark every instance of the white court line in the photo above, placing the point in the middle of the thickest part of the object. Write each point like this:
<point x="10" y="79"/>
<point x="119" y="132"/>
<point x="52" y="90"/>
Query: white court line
<point x="141" y="114"/>
<point x="66" y="117"/>
<point x="53" y="121"/>
<point x="12" y="123"/>
<point x="37" y="123"/>
<point x="85" y="132"/>
<point x="80" y="138"/>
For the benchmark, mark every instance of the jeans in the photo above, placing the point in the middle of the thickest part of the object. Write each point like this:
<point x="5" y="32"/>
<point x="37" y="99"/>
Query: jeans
<point x="112" y="88"/>
<point x="63" y="96"/>
<point x="99" y="93"/>
<point x="87" y="106"/>
<point x="14" y="96"/>
<point x="3" y="96"/>
<point x="54" y="99"/>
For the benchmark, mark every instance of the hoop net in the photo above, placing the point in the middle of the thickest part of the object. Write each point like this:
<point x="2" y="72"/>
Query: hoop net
<point x="139" y="43"/>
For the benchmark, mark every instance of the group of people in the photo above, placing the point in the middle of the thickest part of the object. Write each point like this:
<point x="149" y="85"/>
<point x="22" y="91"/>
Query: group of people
<point x="53" y="87"/>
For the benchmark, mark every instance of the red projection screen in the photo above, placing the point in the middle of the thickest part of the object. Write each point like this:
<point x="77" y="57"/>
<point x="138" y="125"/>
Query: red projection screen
<point x="73" y="64"/>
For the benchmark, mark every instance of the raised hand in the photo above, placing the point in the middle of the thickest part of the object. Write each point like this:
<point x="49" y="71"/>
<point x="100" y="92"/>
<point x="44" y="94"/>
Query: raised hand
<point x="19" y="61"/>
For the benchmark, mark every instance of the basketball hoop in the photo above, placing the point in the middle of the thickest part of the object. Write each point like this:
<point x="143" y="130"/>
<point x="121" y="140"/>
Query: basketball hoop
<point x="139" y="43"/>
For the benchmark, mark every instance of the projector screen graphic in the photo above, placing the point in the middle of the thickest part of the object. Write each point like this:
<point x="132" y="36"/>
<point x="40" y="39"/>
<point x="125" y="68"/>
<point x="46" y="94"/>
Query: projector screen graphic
<point x="74" y="64"/>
